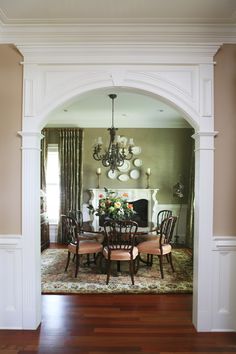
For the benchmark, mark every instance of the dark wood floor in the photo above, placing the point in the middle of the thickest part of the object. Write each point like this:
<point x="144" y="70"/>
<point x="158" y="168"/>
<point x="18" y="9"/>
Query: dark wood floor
<point x="127" y="324"/>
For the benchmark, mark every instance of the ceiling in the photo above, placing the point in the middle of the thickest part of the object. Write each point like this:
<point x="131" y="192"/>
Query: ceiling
<point x="113" y="11"/>
<point x="132" y="109"/>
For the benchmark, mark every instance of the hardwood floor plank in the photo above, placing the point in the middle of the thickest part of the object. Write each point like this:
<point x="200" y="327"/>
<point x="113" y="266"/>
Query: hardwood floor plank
<point x="112" y="323"/>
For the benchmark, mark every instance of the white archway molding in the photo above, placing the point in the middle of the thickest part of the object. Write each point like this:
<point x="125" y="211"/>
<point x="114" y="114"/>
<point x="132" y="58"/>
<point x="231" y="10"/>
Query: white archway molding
<point x="48" y="87"/>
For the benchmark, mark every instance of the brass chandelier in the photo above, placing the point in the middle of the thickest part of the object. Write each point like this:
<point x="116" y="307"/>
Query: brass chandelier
<point x="118" y="149"/>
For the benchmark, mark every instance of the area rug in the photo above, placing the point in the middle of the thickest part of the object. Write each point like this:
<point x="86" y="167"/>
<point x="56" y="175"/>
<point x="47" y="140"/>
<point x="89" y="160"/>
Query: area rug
<point x="92" y="279"/>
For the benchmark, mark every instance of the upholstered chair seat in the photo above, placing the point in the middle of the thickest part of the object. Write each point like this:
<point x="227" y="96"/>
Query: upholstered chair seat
<point x="86" y="247"/>
<point x="152" y="247"/>
<point x="120" y="254"/>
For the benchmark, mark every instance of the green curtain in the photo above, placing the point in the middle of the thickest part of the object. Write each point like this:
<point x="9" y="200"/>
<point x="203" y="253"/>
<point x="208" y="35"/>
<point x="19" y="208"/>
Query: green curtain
<point x="190" y="211"/>
<point x="71" y="176"/>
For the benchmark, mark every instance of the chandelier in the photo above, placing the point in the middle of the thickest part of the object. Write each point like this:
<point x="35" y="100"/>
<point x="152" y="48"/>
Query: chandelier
<point x="118" y="149"/>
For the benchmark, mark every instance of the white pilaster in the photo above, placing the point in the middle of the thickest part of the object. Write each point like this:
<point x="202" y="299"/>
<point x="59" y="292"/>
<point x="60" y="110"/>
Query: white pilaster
<point x="31" y="306"/>
<point x="203" y="232"/>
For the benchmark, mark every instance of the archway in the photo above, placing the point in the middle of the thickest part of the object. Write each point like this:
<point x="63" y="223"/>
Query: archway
<point x="174" y="85"/>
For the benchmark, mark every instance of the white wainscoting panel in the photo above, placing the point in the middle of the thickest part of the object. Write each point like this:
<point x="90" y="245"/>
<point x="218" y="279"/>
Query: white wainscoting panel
<point x="224" y="284"/>
<point x="11" y="282"/>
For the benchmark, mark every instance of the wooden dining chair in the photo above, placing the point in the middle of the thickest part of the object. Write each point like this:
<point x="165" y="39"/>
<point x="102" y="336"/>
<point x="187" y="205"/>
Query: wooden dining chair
<point x="78" y="216"/>
<point x="162" y="215"/>
<point x="78" y="244"/>
<point x="162" y="245"/>
<point x="120" y="244"/>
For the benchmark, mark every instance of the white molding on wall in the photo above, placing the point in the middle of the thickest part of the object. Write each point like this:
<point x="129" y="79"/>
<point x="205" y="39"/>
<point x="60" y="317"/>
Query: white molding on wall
<point x="222" y="243"/>
<point x="120" y="53"/>
<point x="58" y="84"/>
<point x="115" y="33"/>
<point x="10" y="240"/>
<point x="224" y="283"/>
<point x="11" y="276"/>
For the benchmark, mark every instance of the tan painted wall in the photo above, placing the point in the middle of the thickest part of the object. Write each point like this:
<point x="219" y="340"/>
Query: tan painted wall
<point x="225" y="142"/>
<point x="166" y="151"/>
<point x="10" y="143"/>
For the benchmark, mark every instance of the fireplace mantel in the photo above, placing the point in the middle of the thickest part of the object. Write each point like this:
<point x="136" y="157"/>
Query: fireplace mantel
<point x="133" y="195"/>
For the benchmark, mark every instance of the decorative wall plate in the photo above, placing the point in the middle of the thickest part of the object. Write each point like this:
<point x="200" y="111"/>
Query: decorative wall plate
<point x="123" y="178"/>
<point x="138" y="162"/>
<point x="111" y="174"/>
<point x="125" y="167"/>
<point x="136" y="150"/>
<point x="134" y="174"/>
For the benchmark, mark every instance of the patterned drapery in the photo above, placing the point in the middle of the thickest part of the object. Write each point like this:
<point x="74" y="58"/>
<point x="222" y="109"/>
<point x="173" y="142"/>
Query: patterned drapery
<point x="71" y="171"/>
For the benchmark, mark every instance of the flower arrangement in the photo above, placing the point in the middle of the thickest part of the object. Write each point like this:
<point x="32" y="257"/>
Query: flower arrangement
<point x="113" y="206"/>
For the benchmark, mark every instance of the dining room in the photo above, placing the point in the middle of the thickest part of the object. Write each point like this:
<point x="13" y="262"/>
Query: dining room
<point x="162" y="159"/>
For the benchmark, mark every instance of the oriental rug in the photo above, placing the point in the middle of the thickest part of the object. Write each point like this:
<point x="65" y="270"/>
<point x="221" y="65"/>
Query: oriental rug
<point x="92" y="280"/>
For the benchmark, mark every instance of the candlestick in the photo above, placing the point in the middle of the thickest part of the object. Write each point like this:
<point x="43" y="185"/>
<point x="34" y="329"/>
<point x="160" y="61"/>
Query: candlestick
<point x="148" y="173"/>
<point x="98" y="173"/>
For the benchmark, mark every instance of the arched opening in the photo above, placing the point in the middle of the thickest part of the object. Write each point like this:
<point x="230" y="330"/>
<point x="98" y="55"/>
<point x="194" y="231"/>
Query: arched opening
<point x="159" y="151"/>
<point x="203" y="190"/>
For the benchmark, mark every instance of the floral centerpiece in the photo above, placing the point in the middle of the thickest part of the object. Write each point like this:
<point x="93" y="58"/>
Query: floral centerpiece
<point x="113" y="206"/>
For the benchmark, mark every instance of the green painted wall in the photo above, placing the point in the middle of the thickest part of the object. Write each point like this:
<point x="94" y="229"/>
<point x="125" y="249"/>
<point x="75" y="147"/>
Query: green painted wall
<point x="166" y="151"/>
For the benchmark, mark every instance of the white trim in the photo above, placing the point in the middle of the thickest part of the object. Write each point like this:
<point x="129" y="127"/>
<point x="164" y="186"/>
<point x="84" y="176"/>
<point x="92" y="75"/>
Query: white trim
<point x="111" y="53"/>
<point x="10" y="240"/>
<point x="11" y="276"/>
<point x="224" y="283"/>
<point x="115" y="33"/>
<point x="222" y="243"/>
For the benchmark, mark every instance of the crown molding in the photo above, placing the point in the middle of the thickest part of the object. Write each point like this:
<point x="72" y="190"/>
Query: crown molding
<point x="117" y="33"/>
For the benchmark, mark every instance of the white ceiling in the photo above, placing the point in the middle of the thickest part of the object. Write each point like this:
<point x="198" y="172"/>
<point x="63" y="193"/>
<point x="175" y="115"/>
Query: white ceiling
<point x="132" y="109"/>
<point x="113" y="11"/>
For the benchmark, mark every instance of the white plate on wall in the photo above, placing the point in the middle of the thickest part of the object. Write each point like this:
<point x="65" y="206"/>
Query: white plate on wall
<point x="111" y="174"/>
<point x="136" y="150"/>
<point x="125" y="167"/>
<point x="138" y="162"/>
<point x="134" y="174"/>
<point x="123" y="177"/>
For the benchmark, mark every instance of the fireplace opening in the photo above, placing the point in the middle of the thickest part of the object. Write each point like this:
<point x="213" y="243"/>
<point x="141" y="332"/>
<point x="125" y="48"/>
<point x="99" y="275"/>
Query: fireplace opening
<point x="141" y="212"/>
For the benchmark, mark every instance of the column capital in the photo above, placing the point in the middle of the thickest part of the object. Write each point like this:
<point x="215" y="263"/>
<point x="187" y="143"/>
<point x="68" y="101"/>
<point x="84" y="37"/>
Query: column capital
<point x="30" y="140"/>
<point x="204" y="140"/>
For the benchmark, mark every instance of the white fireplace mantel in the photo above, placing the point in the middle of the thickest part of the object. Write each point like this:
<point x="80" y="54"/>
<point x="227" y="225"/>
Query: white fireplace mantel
<point x="132" y="195"/>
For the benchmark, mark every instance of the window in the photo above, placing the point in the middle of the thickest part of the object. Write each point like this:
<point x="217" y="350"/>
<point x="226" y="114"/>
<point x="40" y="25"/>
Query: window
<point x="53" y="184"/>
